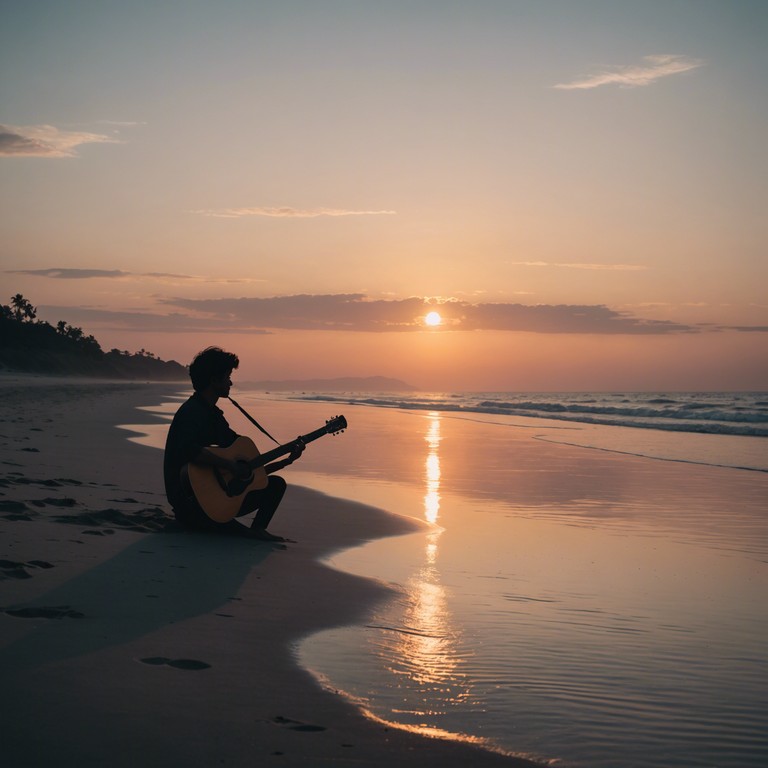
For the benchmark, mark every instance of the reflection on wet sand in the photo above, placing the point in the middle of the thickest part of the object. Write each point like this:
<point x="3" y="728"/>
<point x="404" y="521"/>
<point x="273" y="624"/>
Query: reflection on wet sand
<point x="424" y="648"/>
<point x="432" y="495"/>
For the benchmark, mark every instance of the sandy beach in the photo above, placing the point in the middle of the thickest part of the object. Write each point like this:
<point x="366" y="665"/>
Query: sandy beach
<point x="127" y="641"/>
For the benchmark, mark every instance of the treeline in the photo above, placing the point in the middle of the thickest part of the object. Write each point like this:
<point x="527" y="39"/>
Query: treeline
<point x="35" y="346"/>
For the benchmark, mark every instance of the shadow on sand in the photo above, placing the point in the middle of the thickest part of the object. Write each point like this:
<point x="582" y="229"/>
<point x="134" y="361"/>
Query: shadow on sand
<point x="159" y="579"/>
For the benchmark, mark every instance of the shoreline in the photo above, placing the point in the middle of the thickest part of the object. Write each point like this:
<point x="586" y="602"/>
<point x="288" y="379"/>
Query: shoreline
<point x="130" y="640"/>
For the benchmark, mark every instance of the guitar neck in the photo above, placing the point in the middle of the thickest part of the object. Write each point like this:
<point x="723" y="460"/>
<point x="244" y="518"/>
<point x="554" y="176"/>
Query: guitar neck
<point x="281" y="450"/>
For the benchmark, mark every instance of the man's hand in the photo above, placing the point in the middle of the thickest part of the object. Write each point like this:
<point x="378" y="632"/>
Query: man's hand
<point x="297" y="448"/>
<point x="296" y="451"/>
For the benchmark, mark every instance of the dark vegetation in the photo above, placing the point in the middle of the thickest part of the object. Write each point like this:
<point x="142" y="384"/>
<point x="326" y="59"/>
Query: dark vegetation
<point x="34" y="346"/>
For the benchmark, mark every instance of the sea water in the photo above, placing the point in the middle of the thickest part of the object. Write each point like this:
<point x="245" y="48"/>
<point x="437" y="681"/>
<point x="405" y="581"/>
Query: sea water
<point x="578" y="606"/>
<point x="729" y="414"/>
<point x="590" y="587"/>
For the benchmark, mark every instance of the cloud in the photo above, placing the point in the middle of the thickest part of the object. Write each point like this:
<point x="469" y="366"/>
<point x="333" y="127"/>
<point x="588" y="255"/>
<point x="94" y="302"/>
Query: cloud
<point x="68" y="273"/>
<point x="45" y="141"/>
<point x="356" y="312"/>
<point x="288" y="213"/>
<point x="654" y="69"/>
<point x="620" y="267"/>
<point x="168" y="276"/>
<point x="122" y="123"/>
<point x="359" y="313"/>
<point x="333" y="312"/>
<point x="142" y="322"/>
<point x="564" y="318"/>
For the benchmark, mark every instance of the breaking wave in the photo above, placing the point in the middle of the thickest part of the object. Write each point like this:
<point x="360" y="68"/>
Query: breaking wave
<point x="743" y="414"/>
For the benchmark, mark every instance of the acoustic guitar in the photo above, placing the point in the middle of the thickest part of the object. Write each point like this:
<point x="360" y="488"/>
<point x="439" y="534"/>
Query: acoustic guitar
<point x="220" y="493"/>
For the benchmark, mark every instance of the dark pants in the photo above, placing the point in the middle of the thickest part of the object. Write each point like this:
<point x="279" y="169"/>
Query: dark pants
<point x="265" y="502"/>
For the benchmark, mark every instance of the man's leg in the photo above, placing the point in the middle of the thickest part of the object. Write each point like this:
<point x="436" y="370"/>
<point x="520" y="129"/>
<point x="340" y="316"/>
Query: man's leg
<point x="265" y="501"/>
<point x="191" y="515"/>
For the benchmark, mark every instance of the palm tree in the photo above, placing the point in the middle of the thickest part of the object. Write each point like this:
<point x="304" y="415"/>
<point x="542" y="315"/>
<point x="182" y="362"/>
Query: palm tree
<point x="22" y="309"/>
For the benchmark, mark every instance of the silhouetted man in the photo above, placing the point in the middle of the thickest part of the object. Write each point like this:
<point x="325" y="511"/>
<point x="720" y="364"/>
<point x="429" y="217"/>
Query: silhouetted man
<point x="197" y="426"/>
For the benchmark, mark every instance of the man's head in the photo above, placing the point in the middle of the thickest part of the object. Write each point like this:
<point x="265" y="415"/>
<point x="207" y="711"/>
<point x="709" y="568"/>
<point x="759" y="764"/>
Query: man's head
<point x="210" y="366"/>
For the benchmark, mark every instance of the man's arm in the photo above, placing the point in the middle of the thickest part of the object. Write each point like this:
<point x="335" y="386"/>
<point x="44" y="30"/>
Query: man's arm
<point x="298" y="449"/>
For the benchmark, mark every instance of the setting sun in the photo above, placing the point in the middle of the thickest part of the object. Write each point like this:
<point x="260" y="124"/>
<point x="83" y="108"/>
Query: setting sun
<point x="433" y="318"/>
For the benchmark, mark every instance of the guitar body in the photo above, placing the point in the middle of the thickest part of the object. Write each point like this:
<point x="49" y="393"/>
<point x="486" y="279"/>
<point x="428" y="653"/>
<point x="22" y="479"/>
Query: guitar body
<point x="220" y="493"/>
<point x="217" y="490"/>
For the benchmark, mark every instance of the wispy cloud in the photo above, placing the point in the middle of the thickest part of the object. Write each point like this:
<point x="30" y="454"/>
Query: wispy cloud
<point x="654" y="68"/>
<point x="142" y="322"/>
<point x="122" y="123"/>
<point x="70" y="273"/>
<point x="46" y="141"/>
<point x="288" y="213"/>
<point x="619" y="267"/>
<point x="747" y="328"/>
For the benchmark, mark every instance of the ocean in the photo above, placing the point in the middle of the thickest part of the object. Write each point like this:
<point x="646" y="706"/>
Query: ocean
<point x="590" y="586"/>
<point x="717" y="413"/>
<point x="600" y="602"/>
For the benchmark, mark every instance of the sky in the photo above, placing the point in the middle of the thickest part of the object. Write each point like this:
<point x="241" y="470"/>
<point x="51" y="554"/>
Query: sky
<point x="577" y="187"/>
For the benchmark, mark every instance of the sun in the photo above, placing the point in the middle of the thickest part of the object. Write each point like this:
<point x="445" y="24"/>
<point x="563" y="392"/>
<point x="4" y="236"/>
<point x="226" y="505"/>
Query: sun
<point x="433" y="318"/>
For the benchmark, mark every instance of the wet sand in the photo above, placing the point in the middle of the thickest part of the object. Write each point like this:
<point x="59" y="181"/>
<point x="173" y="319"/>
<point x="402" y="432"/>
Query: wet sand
<point x="127" y="641"/>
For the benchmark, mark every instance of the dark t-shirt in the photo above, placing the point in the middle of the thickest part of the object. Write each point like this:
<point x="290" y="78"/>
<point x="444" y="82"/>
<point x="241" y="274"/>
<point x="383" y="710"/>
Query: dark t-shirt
<point x="196" y="425"/>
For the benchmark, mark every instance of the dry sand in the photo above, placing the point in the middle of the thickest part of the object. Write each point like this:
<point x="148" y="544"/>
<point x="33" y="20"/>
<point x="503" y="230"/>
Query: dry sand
<point x="125" y="641"/>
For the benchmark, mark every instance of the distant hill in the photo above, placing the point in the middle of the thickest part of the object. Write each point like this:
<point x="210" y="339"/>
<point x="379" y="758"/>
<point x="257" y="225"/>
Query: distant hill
<point x="28" y="345"/>
<point x="344" y="384"/>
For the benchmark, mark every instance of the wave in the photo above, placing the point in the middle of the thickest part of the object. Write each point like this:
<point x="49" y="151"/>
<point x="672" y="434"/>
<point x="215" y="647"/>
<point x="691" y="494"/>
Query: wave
<point x="704" y="411"/>
<point x="721" y="417"/>
<point x="713" y="428"/>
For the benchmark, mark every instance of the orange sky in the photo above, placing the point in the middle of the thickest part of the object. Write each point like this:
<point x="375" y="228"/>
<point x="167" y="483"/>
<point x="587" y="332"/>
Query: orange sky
<point x="581" y="195"/>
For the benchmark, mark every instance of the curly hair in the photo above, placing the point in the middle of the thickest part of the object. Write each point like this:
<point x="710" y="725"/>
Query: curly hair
<point x="212" y="363"/>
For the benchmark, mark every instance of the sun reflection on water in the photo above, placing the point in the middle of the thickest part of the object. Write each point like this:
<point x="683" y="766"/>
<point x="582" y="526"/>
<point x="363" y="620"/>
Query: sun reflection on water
<point x="425" y="646"/>
<point x="432" y="495"/>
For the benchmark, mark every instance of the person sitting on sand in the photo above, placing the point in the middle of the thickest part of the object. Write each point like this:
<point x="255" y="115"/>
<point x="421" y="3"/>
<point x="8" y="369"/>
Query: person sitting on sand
<point x="200" y="424"/>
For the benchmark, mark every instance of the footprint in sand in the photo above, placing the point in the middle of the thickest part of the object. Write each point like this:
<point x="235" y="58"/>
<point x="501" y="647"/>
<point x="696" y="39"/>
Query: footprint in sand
<point x="297" y="725"/>
<point x="16" y="517"/>
<point x="187" y="664"/>
<point x="10" y="569"/>
<point x="13" y="506"/>
<point x="64" y="502"/>
<point x="52" y="612"/>
<point x="147" y="520"/>
<point x="16" y="510"/>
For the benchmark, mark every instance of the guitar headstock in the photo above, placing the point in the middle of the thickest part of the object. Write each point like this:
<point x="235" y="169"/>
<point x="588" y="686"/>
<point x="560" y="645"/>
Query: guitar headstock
<point x="335" y="425"/>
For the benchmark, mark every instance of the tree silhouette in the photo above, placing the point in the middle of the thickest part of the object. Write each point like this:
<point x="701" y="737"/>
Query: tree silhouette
<point x="23" y="309"/>
<point x="27" y="344"/>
